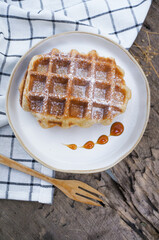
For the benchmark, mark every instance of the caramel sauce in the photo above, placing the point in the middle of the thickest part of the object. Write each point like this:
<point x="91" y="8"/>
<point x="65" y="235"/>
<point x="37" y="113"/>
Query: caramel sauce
<point x="88" y="145"/>
<point x="116" y="129"/>
<point x="72" y="146"/>
<point x="102" y="139"/>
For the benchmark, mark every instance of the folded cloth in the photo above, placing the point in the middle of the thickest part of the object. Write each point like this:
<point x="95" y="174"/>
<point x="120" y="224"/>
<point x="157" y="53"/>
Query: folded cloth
<point x="23" y="24"/>
<point x="3" y="118"/>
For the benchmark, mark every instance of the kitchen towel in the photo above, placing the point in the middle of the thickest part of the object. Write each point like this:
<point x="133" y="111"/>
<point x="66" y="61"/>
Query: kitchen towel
<point x="23" y="23"/>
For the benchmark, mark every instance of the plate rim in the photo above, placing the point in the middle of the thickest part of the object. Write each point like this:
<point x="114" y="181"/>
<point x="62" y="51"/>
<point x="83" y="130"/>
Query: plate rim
<point x="78" y="171"/>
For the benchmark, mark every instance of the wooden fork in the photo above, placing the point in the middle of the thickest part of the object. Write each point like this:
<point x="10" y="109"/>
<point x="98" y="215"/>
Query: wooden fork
<point x="73" y="189"/>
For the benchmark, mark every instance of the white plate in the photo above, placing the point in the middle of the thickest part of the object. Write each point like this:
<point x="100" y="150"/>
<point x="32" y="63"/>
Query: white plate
<point x="46" y="145"/>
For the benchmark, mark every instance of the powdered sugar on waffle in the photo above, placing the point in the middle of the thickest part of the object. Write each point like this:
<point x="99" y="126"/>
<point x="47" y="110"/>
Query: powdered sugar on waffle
<point x="75" y="89"/>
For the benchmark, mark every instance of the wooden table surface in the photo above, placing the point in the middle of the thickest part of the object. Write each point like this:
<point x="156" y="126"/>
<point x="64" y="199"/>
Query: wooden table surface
<point x="132" y="204"/>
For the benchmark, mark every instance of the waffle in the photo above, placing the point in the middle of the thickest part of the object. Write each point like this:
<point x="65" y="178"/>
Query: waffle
<point x="73" y="89"/>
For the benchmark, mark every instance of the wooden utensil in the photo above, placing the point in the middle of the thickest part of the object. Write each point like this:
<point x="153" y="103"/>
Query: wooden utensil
<point x="73" y="189"/>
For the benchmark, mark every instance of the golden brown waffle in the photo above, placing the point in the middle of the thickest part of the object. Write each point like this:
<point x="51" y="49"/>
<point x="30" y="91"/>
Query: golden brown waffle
<point x="73" y="89"/>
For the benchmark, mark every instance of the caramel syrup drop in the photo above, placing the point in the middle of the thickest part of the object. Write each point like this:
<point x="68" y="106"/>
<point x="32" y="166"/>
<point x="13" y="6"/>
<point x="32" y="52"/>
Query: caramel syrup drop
<point x="72" y="146"/>
<point x="117" y="129"/>
<point x="102" y="139"/>
<point x="88" y="145"/>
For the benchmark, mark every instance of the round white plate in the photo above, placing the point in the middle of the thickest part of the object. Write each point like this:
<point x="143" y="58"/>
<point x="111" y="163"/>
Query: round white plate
<point x="46" y="145"/>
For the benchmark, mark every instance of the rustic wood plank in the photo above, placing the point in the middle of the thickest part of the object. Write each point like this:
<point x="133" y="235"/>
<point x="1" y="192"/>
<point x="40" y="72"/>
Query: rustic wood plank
<point x="132" y="205"/>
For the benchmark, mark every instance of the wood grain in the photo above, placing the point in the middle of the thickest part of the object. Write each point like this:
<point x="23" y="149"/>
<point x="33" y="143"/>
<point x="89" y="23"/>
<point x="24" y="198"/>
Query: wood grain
<point x="132" y="204"/>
